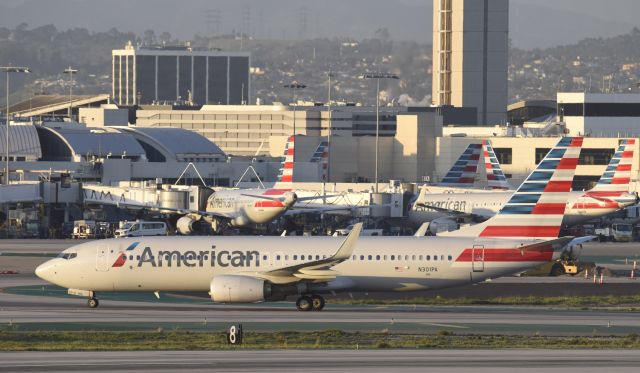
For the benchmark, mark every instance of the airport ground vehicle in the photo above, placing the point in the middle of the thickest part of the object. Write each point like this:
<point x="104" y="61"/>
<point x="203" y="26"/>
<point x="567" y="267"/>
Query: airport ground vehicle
<point x="365" y="232"/>
<point x="617" y="232"/>
<point x="140" y="228"/>
<point x="83" y="229"/>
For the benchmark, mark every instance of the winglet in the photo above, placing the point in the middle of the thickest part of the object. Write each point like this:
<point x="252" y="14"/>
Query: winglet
<point x="422" y="231"/>
<point x="345" y="250"/>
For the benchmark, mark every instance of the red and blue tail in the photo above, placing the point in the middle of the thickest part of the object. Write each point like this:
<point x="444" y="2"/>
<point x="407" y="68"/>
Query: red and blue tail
<point x="463" y="173"/>
<point x="285" y="174"/>
<point x="321" y="155"/>
<point x="495" y="177"/>
<point x="617" y="176"/>
<point x="537" y="208"/>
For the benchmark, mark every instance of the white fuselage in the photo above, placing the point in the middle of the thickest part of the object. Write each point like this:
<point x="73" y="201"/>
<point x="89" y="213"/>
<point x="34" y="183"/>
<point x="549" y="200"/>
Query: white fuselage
<point x="243" y="207"/>
<point x="376" y="264"/>
<point x="580" y="207"/>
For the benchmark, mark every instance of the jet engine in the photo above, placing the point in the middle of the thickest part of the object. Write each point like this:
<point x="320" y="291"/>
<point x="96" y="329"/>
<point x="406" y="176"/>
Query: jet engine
<point x="185" y="225"/>
<point x="245" y="289"/>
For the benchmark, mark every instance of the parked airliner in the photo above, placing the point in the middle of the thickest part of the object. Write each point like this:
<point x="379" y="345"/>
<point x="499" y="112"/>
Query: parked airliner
<point x="522" y="235"/>
<point x="609" y="195"/>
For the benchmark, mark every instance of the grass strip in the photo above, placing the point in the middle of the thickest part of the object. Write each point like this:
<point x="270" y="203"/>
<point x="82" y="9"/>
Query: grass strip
<point x="328" y="339"/>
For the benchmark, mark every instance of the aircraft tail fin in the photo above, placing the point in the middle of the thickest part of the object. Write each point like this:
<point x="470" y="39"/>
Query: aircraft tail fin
<point x="536" y="209"/>
<point x="617" y="175"/>
<point x="285" y="174"/>
<point x="464" y="170"/>
<point x="495" y="177"/>
<point x="321" y="155"/>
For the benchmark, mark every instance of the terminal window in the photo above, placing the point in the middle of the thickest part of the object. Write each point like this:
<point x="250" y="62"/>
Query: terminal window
<point x="504" y="155"/>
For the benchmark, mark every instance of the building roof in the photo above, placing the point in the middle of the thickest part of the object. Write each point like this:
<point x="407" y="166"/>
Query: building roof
<point x="176" y="143"/>
<point x="101" y="143"/>
<point x="43" y="105"/>
<point x="23" y="141"/>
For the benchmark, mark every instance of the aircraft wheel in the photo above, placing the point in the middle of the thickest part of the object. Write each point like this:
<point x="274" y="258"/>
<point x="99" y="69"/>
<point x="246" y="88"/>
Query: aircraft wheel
<point x="317" y="302"/>
<point x="93" y="303"/>
<point x="304" y="303"/>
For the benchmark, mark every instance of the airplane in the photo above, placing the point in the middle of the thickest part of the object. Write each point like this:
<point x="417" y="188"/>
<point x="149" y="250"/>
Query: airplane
<point x="245" y="207"/>
<point x="610" y="194"/>
<point x="524" y="234"/>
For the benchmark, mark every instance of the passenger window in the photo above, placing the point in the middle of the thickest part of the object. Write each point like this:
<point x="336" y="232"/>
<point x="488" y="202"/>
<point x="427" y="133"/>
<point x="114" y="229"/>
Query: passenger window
<point x="295" y="257"/>
<point x="361" y="257"/>
<point x="377" y="257"/>
<point x="435" y="257"/>
<point x="385" y="257"/>
<point x="354" y="257"/>
<point x="277" y="257"/>
<point x="286" y="257"/>
<point x="420" y="258"/>
<point x="317" y="257"/>
<point x="406" y="257"/>
<point x="441" y="257"/>
<point x="264" y="257"/>
<point x="450" y="257"/>
<point x="413" y="257"/>
<point x="130" y="257"/>
<point x="370" y="257"/>
<point x="206" y="257"/>
<point x="428" y="257"/>
<point x="393" y="257"/>
<point x="301" y="257"/>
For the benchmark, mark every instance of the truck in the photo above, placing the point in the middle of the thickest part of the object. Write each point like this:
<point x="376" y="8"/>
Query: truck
<point x="617" y="232"/>
<point x="141" y="228"/>
<point x="83" y="229"/>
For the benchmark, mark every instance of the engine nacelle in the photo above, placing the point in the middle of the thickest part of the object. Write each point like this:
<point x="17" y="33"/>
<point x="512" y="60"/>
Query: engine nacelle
<point x="245" y="289"/>
<point x="235" y="288"/>
<point x="184" y="225"/>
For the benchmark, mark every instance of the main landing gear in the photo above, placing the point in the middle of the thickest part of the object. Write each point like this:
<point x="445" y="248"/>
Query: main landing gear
<point x="310" y="303"/>
<point x="93" y="303"/>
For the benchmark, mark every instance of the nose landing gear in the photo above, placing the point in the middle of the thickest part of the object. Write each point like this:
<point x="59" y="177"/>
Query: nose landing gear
<point x="93" y="303"/>
<point x="310" y="303"/>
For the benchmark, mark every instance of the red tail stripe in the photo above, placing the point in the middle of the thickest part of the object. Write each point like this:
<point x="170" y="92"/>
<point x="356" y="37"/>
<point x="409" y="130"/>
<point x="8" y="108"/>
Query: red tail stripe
<point x="520" y="231"/>
<point x="631" y="141"/>
<point x="466" y="180"/>
<point x="288" y="165"/>
<point x="474" y="157"/>
<point x="568" y="164"/>
<point x="276" y="191"/>
<point x="549" y="209"/>
<point x="592" y="205"/>
<point x="576" y="142"/>
<point x="623" y="167"/>
<point x="505" y="255"/>
<point x="287" y="178"/>
<point x="268" y="204"/>
<point x="620" y="180"/>
<point x="627" y="154"/>
<point x="558" y="186"/>
<point x="470" y="168"/>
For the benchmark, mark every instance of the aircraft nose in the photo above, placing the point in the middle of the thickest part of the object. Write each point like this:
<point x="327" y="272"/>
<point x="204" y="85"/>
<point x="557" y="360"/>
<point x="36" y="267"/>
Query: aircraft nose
<point x="46" y="270"/>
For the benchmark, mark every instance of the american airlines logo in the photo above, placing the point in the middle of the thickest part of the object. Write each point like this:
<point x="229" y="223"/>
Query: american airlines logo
<point x="192" y="258"/>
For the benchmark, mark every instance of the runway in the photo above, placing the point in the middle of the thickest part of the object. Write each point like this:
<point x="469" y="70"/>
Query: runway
<point x="43" y="313"/>
<point x="480" y="361"/>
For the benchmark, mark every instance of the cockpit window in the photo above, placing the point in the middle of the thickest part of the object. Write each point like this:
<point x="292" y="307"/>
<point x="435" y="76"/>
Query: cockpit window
<point x="67" y="256"/>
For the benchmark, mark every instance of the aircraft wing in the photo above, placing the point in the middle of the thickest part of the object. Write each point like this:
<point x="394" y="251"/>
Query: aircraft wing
<point x="315" y="270"/>
<point x="316" y="210"/>
<point x="177" y="211"/>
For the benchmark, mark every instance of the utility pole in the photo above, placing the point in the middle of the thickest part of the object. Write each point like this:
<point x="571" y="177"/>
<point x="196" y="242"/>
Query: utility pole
<point x="377" y="77"/>
<point x="70" y="71"/>
<point x="8" y="70"/>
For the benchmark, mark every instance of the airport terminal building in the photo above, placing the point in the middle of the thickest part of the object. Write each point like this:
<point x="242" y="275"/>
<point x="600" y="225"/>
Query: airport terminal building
<point x="144" y="75"/>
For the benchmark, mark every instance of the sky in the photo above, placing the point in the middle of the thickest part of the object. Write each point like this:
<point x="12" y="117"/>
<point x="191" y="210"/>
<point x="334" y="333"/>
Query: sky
<point x="533" y="23"/>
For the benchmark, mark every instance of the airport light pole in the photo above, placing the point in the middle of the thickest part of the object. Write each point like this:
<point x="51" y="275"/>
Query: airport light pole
<point x="70" y="71"/>
<point x="329" y="75"/>
<point x="293" y="87"/>
<point x="377" y="77"/>
<point x="8" y="70"/>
